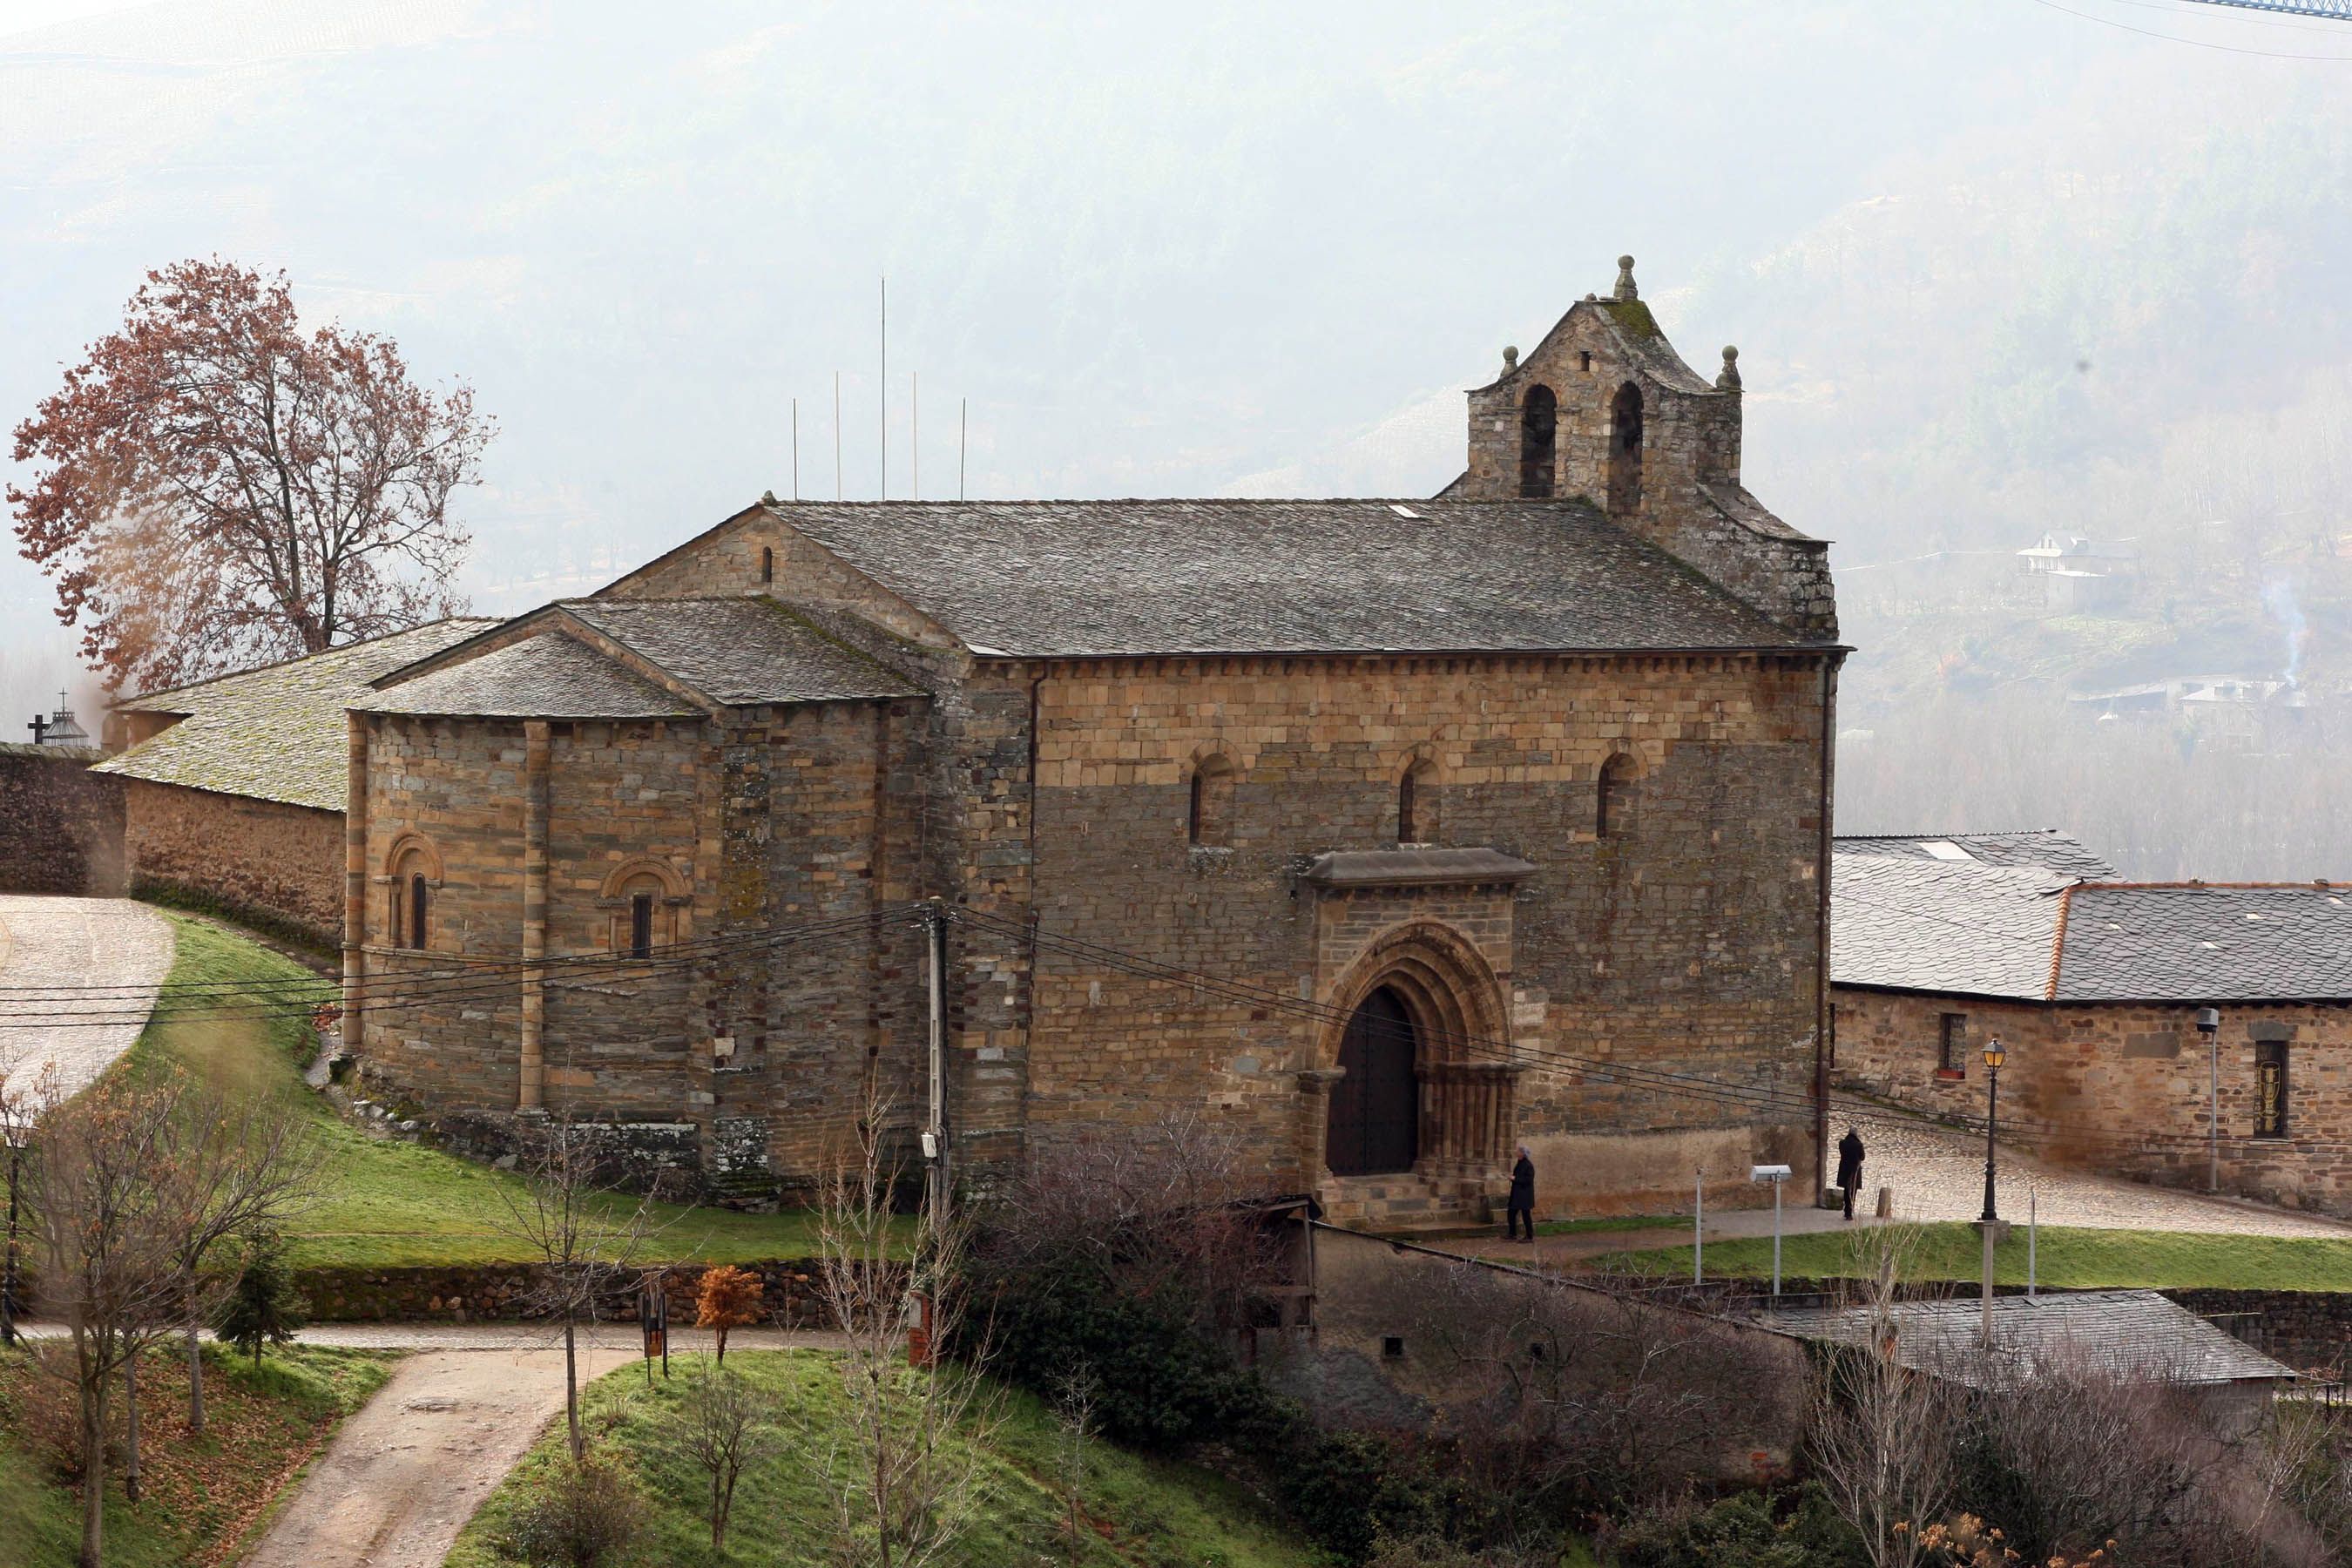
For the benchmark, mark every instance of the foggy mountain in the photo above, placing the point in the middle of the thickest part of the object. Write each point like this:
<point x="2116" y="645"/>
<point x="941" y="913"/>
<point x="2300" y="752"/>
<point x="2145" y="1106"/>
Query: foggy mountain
<point x="1994" y="272"/>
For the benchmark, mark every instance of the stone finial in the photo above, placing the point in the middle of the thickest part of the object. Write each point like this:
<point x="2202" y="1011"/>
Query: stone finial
<point x="1590" y="298"/>
<point x="1625" y="289"/>
<point x="1510" y="358"/>
<point x="767" y="497"/>
<point x="1729" y="380"/>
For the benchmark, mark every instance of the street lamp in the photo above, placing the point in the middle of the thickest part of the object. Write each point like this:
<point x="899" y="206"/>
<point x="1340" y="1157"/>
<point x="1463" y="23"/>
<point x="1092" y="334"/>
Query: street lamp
<point x="8" y="1276"/>
<point x="1991" y="1224"/>
<point x="2209" y="1024"/>
<point x="1993" y="1057"/>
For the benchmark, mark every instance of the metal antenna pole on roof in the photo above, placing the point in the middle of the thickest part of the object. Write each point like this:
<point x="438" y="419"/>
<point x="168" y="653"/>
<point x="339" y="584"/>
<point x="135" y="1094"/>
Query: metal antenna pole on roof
<point x="963" y="419"/>
<point x="796" y="448"/>
<point x="915" y="442"/>
<point x="837" y="434"/>
<point x="886" y="387"/>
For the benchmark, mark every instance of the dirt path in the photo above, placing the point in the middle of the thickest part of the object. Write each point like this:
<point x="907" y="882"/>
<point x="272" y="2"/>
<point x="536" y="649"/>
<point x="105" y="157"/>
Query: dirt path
<point x="78" y="977"/>
<point x="403" y="1476"/>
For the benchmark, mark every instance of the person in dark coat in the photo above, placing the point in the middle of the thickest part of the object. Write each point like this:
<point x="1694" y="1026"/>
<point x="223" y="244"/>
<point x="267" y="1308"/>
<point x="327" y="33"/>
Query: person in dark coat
<point x="1521" y="1208"/>
<point x="1850" y="1167"/>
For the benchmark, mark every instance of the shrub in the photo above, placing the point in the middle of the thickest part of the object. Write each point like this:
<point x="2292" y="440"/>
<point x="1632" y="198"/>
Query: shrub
<point x="728" y="1297"/>
<point x="583" y="1513"/>
<point x="1751" y="1529"/>
<point x="264" y="1307"/>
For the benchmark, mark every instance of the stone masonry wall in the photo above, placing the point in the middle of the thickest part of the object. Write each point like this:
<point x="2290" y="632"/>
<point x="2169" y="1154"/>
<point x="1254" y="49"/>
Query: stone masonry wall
<point x="1683" y="942"/>
<point x="61" y="825"/>
<point x="2127" y="1088"/>
<point x="261" y="859"/>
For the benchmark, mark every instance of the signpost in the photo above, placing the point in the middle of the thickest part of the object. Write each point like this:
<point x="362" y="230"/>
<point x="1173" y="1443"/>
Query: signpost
<point x="1776" y="1175"/>
<point x="653" y="1321"/>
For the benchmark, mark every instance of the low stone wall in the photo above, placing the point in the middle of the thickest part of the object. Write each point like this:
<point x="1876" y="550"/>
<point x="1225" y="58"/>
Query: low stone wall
<point x="501" y="1293"/>
<point x="61" y="825"/>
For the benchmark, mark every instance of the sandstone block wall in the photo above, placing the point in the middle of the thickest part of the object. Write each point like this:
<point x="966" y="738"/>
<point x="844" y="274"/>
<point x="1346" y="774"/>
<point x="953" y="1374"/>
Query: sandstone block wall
<point x="61" y="825"/>
<point x="272" y="863"/>
<point x="2127" y="1087"/>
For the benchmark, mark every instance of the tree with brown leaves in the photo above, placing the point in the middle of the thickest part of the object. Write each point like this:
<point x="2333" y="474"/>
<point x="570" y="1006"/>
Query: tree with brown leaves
<point x="222" y="488"/>
<point x="728" y="1297"/>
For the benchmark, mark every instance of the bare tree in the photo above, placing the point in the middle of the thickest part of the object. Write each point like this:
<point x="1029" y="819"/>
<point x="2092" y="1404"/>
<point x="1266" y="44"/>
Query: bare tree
<point x="579" y="1228"/>
<point x="108" y="1217"/>
<point x="727" y="1426"/>
<point x="904" y="1467"/>
<point x="249" y="1164"/>
<point x="1882" y="1433"/>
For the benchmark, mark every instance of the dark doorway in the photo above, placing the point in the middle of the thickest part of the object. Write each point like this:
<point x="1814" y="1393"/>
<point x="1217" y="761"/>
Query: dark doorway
<point x="1375" y="1108"/>
<point x="1538" y="431"/>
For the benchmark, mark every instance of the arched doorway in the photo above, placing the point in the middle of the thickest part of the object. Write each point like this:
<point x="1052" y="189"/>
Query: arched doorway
<point x="1375" y="1108"/>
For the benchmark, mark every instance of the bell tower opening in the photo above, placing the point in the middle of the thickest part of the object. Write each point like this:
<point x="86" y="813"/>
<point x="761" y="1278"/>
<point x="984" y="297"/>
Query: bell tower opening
<point x="1625" y="451"/>
<point x="1538" y="437"/>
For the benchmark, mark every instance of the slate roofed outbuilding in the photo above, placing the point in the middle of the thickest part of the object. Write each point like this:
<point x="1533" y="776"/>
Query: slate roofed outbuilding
<point x="2028" y="933"/>
<point x="2129" y="1333"/>
<point x="1076" y="579"/>
<point x="2045" y="847"/>
<point x="277" y="733"/>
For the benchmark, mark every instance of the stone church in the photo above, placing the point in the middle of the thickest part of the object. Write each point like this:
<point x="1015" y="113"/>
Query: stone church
<point x="1388" y="834"/>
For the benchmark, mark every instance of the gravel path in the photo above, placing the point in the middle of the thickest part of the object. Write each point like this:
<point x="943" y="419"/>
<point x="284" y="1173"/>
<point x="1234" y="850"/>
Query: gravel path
<point x="405" y="1473"/>
<point x="1937" y="1174"/>
<point x="108" y="956"/>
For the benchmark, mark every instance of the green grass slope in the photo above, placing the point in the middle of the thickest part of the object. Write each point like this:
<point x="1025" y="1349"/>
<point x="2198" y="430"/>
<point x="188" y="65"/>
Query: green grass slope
<point x="203" y="1495"/>
<point x="2066" y="1259"/>
<point x="383" y="1204"/>
<point x="1134" y="1510"/>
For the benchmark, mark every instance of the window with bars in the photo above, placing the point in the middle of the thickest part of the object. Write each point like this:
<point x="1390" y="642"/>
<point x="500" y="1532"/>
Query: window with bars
<point x="2270" y="1089"/>
<point x="1952" y="1043"/>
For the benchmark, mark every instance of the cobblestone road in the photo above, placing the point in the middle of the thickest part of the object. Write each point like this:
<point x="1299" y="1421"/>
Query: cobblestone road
<point x="76" y="979"/>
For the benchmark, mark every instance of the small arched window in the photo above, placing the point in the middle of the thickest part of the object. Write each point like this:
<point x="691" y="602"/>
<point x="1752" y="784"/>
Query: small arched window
<point x="1209" y="815"/>
<point x="1625" y="451"/>
<point x="418" y="908"/>
<point x="1417" y="804"/>
<point x="767" y="563"/>
<point x="1539" y="433"/>
<point x="641" y="925"/>
<point x="1612" y="816"/>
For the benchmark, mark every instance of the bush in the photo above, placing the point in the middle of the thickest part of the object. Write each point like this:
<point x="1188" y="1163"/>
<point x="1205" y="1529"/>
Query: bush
<point x="583" y="1513"/>
<point x="264" y="1307"/>
<point x="1751" y="1529"/>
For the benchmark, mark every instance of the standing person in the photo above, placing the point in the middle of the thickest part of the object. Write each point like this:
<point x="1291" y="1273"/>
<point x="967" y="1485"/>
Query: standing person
<point x="1521" y="1208"/>
<point x="1849" y="1166"/>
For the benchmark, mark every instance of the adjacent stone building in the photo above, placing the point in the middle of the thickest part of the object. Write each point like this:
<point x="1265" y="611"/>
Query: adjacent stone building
<point x="232" y="789"/>
<point x="2095" y="987"/>
<point x="1384" y="835"/>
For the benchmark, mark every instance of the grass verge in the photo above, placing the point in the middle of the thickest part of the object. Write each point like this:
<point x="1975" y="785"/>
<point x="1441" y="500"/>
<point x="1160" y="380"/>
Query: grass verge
<point x="203" y="1495"/>
<point x="1133" y="1511"/>
<point x="384" y="1204"/>
<point x="2066" y="1257"/>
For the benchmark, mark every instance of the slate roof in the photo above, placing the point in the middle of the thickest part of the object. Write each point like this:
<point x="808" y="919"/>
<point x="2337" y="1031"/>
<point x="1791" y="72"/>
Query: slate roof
<point x="549" y="676"/>
<point x="741" y="650"/>
<point x="278" y="732"/>
<point x="2045" y="847"/>
<point x="1130" y="577"/>
<point x="2131" y="1332"/>
<point x="1963" y="928"/>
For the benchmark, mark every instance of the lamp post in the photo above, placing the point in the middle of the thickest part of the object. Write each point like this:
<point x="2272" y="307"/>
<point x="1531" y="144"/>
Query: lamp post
<point x="8" y="1274"/>
<point x="2209" y="1024"/>
<point x="1990" y="1223"/>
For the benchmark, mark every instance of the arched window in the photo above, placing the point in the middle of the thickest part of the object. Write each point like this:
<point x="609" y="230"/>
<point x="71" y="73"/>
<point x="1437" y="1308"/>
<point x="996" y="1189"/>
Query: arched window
<point x="767" y="563"/>
<point x="1538" y="431"/>
<point x="1417" y="802"/>
<point x="417" y="908"/>
<point x="647" y="901"/>
<point x="1612" y="816"/>
<point x="1209" y="818"/>
<point x="414" y="871"/>
<point x="1625" y="451"/>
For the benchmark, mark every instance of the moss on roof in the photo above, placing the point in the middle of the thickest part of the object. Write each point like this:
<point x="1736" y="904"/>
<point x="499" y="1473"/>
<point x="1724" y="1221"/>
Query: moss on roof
<point x="278" y="732"/>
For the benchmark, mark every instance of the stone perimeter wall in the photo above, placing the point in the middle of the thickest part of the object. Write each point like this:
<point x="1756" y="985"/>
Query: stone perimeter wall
<point x="278" y="864"/>
<point x="61" y="825"/>
<point x="2127" y="1088"/>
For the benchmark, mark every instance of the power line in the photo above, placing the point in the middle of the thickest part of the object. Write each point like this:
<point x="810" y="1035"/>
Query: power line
<point x="2176" y="38"/>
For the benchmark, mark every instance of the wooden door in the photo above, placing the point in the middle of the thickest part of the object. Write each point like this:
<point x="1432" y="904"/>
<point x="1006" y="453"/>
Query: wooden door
<point x="1376" y="1107"/>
